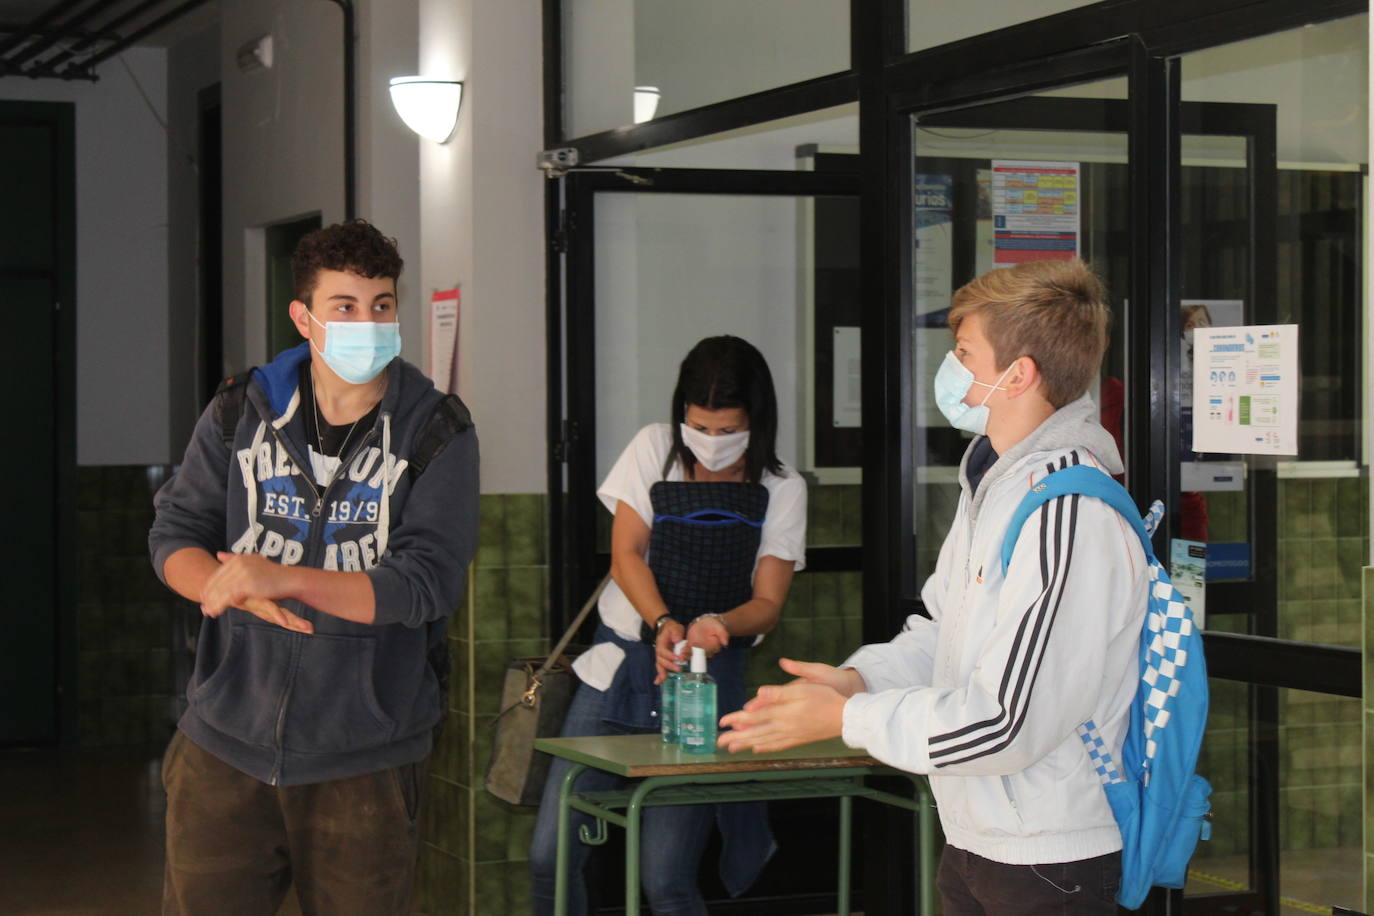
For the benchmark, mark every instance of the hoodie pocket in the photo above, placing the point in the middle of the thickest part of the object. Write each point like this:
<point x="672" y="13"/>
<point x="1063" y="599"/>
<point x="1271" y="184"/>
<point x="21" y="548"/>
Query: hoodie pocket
<point x="242" y="696"/>
<point x="333" y="705"/>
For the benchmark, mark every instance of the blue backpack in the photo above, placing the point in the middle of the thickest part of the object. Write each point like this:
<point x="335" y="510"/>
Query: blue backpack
<point x="1160" y="804"/>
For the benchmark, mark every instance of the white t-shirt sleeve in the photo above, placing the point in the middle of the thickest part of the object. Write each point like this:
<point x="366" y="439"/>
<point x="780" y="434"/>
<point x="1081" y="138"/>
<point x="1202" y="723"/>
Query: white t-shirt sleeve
<point x="637" y="469"/>
<point x="784" y="527"/>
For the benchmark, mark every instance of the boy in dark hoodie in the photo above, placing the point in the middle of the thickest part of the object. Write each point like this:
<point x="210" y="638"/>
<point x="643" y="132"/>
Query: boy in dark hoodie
<point x="323" y="518"/>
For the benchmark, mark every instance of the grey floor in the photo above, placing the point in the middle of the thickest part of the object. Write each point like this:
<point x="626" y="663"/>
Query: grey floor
<point x="81" y="833"/>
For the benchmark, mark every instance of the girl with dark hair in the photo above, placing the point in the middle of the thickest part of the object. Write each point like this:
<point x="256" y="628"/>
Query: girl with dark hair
<point x="709" y="528"/>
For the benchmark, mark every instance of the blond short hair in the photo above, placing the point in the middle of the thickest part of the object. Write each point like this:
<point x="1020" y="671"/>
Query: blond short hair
<point x="1055" y="312"/>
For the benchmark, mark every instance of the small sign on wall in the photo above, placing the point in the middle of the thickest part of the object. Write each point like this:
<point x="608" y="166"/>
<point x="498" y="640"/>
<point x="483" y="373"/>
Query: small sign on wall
<point x="443" y="338"/>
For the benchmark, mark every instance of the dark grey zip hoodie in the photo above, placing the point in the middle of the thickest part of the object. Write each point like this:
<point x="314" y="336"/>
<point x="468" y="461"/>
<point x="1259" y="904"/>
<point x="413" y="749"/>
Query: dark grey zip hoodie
<point x="289" y="708"/>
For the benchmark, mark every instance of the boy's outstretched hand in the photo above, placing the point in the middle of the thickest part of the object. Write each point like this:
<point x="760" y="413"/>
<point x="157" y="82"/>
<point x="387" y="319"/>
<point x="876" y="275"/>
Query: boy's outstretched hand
<point x="810" y="708"/>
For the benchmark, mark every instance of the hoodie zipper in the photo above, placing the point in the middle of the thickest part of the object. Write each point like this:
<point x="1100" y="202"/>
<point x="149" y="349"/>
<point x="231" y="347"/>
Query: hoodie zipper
<point x="316" y="538"/>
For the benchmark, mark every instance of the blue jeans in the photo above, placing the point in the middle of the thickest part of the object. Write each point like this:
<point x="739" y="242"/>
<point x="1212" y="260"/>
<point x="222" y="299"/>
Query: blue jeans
<point x="672" y="839"/>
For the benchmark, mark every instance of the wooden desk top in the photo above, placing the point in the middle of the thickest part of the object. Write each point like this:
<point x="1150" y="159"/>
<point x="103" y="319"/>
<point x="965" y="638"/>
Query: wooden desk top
<point x="646" y="755"/>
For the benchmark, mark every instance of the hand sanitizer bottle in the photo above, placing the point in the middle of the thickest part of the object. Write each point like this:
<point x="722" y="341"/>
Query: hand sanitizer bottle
<point x="667" y="705"/>
<point x="696" y="707"/>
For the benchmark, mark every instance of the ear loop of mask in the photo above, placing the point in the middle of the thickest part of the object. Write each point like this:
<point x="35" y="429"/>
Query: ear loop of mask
<point x="997" y="385"/>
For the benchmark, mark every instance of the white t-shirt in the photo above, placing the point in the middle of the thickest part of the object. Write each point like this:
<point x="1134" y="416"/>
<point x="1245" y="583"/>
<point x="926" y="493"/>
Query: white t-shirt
<point x="637" y="469"/>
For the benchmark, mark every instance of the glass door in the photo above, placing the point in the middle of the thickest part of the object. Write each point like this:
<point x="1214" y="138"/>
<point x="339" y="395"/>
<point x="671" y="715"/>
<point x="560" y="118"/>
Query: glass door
<point x="655" y="260"/>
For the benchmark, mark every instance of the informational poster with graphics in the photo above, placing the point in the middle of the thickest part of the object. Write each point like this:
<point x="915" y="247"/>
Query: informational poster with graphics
<point x="1034" y="211"/>
<point x="443" y="339"/>
<point x="933" y="258"/>
<point x="1245" y="390"/>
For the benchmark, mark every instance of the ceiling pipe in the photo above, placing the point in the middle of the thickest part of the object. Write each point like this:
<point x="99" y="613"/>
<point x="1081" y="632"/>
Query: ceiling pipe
<point x="49" y="66"/>
<point x="33" y="26"/>
<point x="64" y="29"/>
<point x="350" y="111"/>
<point x="87" y="65"/>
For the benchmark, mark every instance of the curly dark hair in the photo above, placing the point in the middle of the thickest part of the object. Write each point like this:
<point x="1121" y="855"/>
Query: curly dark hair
<point x="354" y="245"/>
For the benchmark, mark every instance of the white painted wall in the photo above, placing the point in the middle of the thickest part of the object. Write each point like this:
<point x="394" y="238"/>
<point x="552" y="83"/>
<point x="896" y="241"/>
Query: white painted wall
<point x="467" y="213"/>
<point x="192" y="65"/>
<point x="283" y="150"/>
<point x="121" y="254"/>
<point x="481" y="215"/>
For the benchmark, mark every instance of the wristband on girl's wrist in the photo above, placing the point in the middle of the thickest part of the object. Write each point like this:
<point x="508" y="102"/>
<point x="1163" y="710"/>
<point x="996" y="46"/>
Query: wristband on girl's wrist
<point x="719" y="619"/>
<point x="649" y="632"/>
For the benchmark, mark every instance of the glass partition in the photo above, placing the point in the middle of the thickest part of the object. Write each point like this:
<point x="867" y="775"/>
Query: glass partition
<point x="931" y="23"/>
<point x="1040" y="177"/>
<point x="671" y="57"/>
<point x="674" y="268"/>
<point x="1272" y="202"/>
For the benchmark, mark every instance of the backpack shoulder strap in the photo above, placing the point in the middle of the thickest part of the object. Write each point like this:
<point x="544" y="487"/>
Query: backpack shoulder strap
<point x="448" y="418"/>
<point x="1084" y="480"/>
<point x="228" y="399"/>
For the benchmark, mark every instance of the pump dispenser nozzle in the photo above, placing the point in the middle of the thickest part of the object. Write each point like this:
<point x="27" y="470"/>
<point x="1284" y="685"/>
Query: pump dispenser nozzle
<point x="698" y="660"/>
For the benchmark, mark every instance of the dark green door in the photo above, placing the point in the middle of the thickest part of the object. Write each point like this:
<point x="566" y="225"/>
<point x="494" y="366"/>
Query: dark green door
<point x="281" y="244"/>
<point x="34" y="147"/>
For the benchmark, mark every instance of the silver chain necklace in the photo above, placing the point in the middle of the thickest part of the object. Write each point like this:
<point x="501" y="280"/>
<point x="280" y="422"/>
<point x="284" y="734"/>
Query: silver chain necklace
<point x="319" y="439"/>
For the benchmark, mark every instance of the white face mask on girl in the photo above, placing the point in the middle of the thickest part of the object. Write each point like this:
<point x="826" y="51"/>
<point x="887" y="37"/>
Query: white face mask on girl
<point x="715" y="452"/>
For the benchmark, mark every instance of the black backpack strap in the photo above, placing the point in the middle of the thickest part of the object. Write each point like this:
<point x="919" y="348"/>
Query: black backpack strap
<point x="228" y="399"/>
<point x="448" y="418"/>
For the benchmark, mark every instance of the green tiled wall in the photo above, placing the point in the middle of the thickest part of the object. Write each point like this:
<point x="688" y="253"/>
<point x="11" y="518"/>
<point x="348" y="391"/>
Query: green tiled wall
<point x="1367" y="719"/>
<point x="474" y="849"/>
<point x="1323" y="539"/>
<point x="128" y="622"/>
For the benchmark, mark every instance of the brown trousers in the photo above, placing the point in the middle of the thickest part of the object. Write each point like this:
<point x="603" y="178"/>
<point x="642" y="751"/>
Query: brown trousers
<point x="235" y="845"/>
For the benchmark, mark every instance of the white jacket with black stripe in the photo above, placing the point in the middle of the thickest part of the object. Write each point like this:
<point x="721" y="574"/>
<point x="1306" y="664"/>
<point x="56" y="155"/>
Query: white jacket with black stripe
<point x="987" y="694"/>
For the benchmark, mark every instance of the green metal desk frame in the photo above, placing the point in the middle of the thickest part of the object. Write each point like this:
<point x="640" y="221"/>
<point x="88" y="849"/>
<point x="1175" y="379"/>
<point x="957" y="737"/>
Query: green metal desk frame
<point x="844" y="783"/>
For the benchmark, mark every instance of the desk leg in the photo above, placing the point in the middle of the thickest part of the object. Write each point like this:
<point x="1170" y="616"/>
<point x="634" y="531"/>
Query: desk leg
<point x="560" y="881"/>
<point x="634" y="812"/>
<point x="926" y="825"/>
<point x="846" y="841"/>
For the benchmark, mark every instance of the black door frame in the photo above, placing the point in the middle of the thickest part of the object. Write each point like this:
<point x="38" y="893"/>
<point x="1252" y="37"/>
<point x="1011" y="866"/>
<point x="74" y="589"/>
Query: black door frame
<point x="575" y="565"/>
<point x="1079" y="45"/>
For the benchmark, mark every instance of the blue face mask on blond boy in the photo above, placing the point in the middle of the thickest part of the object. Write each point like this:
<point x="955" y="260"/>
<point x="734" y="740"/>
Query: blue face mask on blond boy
<point x="952" y="384"/>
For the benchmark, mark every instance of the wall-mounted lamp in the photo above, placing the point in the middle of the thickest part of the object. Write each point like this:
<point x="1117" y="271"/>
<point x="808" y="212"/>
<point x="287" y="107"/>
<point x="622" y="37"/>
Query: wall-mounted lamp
<point x="428" y="106"/>
<point x="646" y="103"/>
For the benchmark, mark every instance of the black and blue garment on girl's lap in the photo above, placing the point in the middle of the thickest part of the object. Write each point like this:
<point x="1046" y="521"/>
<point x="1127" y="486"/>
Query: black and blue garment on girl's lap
<point x="702" y="550"/>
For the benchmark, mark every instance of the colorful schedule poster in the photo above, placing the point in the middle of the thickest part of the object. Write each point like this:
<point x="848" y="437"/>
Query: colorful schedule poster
<point x="1245" y="390"/>
<point x="1035" y="211"/>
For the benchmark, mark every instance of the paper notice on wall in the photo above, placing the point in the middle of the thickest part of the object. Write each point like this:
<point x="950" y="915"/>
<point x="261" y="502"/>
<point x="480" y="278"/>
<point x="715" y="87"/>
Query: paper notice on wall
<point x="1034" y="211"/>
<point x="846" y="390"/>
<point x="933" y="259"/>
<point x="1188" y="569"/>
<point x="443" y="338"/>
<point x="1245" y="390"/>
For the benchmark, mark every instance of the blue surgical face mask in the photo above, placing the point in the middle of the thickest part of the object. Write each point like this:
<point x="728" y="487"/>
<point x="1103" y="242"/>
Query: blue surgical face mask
<point x="358" y="351"/>
<point x="952" y="384"/>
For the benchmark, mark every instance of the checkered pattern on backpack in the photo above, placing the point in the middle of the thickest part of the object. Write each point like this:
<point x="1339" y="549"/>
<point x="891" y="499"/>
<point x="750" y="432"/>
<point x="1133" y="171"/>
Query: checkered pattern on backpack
<point x="1168" y="621"/>
<point x="1099" y="755"/>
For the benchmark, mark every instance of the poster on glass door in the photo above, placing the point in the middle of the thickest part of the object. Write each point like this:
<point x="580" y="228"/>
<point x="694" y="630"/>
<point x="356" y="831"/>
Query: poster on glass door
<point x="1245" y="390"/>
<point x="1035" y="211"/>
<point x="932" y="279"/>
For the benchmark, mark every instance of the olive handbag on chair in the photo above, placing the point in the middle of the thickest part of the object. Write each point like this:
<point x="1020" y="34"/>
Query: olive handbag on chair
<point x="534" y="702"/>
